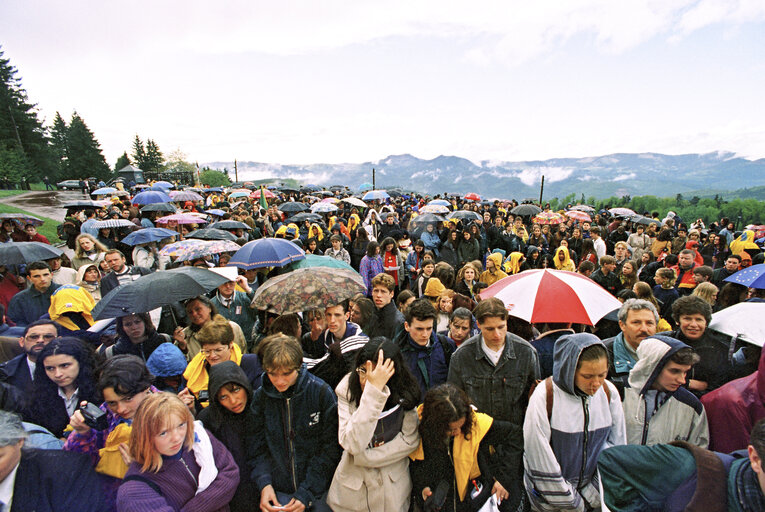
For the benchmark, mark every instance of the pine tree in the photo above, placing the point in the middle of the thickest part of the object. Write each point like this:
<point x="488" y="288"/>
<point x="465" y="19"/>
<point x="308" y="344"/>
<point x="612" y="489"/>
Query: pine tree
<point x="122" y="161"/>
<point x="23" y="141"/>
<point x="139" y="153"/>
<point x="155" y="161"/>
<point x="85" y="158"/>
<point x="58" y="139"/>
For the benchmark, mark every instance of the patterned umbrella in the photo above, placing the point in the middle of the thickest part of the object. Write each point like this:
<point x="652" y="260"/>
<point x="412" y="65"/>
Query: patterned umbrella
<point x="579" y="215"/>
<point x="183" y="218"/>
<point x="583" y="208"/>
<point x="186" y="196"/>
<point x="151" y="196"/>
<point x="323" y="208"/>
<point x="434" y="208"/>
<point x="182" y="245"/>
<point x="622" y="212"/>
<point x="308" y="288"/>
<point x="267" y="193"/>
<point x="21" y="219"/>
<point x="113" y="223"/>
<point x="205" y="248"/>
<point x="549" y="218"/>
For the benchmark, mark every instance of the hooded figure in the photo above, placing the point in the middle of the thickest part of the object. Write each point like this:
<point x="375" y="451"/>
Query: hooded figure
<point x="495" y="273"/>
<point x="94" y="288"/>
<point x="658" y="414"/>
<point x="562" y="440"/>
<point x="70" y="308"/>
<point x="565" y="263"/>
<point x="513" y="264"/>
<point x="230" y="427"/>
<point x="743" y="243"/>
<point x="167" y="363"/>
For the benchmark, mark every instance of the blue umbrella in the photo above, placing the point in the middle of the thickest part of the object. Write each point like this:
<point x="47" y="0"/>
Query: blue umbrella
<point x="313" y="260"/>
<point x="164" y="184"/>
<point x="144" y="236"/>
<point x="213" y="189"/>
<point x="151" y="196"/>
<point x="239" y="194"/>
<point x="104" y="191"/>
<point x="365" y="186"/>
<point x="219" y="213"/>
<point x="440" y="202"/>
<point x="751" y="277"/>
<point x="266" y="252"/>
<point x="375" y="194"/>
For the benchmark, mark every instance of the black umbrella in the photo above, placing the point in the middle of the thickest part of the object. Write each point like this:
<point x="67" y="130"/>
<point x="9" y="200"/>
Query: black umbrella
<point x="14" y="253"/>
<point x="288" y="190"/>
<point x="82" y="204"/>
<point x="427" y="218"/>
<point x="155" y="290"/>
<point x="305" y="216"/>
<point x="326" y="193"/>
<point x="159" y="207"/>
<point x="228" y="224"/>
<point x="211" y="234"/>
<point x="336" y="187"/>
<point x="526" y="209"/>
<point x="464" y="215"/>
<point x="292" y="206"/>
<point x="640" y="219"/>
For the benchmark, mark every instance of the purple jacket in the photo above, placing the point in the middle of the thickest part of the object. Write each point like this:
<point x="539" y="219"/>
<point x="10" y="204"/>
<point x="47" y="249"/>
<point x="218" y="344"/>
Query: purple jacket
<point x="369" y="268"/>
<point x="178" y="487"/>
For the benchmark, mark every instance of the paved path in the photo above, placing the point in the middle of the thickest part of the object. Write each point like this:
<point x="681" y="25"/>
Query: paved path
<point x="46" y="204"/>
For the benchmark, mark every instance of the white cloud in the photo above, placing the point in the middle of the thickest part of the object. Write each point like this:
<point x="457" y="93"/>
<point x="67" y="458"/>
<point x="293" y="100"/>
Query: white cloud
<point x="625" y="177"/>
<point x="532" y="175"/>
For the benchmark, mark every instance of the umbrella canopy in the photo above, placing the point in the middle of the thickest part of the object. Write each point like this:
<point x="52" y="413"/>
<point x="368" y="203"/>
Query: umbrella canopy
<point x="229" y="224"/>
<point x="183" y="218"/>
<point x="737" y="321"/>
<point x="537" y="295"/>
<point x="14" y="253"/>
<point x="211" y="234"/>
<point x="373" y="195"/>
<point x="266" y="252"/>
<point x="293" y="207"/>
<point x="426" y="218"/>
<point x="163" y="184"/>
<point x="144" y="236"/>
<point x="104" y="191"/>
<point x="355" y="201"/>
<point x="267" y="193"/>
<point x="622" y="212"/>
<point x="234" y="195"/>
<point x="323" y="208"/>
<point x="186" y="196"/>
<point x="151" y="196"/>
<point x="204" y="248"/>
<point x="159" y="207"/>
<point x="526" y="209"/>
<point x="365" y="186"/>
<point x="155" y="290"/>
<point x="549" y="218"/>
<point x="21" y="219"/>
<point x="579" y="215"/>
<point x="308" y="288"/>
<point x="332" y="200"/>
<point x="472" y="196"/>
<point x="305" y="216"/>
<point x="583" y="208"/>
<point x="751" y="277"/>
<point x="442" y="202"/>
<point x="464" y="215"/>
<point x="216" y="212"/>
<point x="84" y="203"/>
<point x="640" y="219"/>
<point x="434" y="208"/>
<point x="113" y="223"/>
<point x="313" y="260"/>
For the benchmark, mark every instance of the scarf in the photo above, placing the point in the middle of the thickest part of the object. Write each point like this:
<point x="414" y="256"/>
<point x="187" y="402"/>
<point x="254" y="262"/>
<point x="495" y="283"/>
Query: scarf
<point x="748" y="493"/>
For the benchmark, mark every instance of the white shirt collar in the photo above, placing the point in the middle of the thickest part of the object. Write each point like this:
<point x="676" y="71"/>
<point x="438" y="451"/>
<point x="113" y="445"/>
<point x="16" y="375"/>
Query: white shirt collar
<point x="72" y="402"/>
<point x="31" y="365"/>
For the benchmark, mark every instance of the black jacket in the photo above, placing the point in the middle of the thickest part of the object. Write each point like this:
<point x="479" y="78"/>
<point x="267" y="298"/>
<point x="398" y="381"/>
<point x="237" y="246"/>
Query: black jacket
<point x="609" y="281"/>
<point x="110" y="281"/>
<point x="387" y="322"/>
<point x="16" y="373"/>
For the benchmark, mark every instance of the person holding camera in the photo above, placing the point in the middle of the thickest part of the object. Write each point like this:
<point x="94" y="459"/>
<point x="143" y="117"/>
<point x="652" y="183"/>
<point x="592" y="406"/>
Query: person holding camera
<point x="103" y="432"/>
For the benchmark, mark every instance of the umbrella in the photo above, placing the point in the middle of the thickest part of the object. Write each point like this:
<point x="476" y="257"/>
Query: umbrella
<point x="365" y="186"/>
<point x="144" y="236"/>
<point x="537" y="296"/>
<point x="640" y="219"/>
<point x="751" y="277"/>
<point x="737" y="321"/>
<point x="151" y="196"/>
<point x="204" y="248"/>
<point x="85" y="203"/>
<point x="174" y="248"/>
<point x="622" y="212"/>
<point x="183" y="218"/>
<point x="266" y="252"/>
<point x="434" y="208"/>
<point x="579" y="215"/>
<point x="212" y="189"/>
<point x="21" y="219"/>
<point x="105" y="191"/>
<point x="426" y="218"/>
<point x="375" y="195"/>
<point x="229" y="224"/>
<point x="326" y="193"/>
<point x="186" y="196"/>
<point x="355" y="201"/>
<point x="292" y="206"/>
<point x="465" y="215"/>
<point x="583" y="208"/>
<point x="155" y="290"/>
<point x="211" y="234"/>
<point x="308" y="288"/>
<point x="113" y="223"/>
<point x="121" y="193"/>
<point x="323" y="208"/>
<point x="159" y="207"/>
<point x="216" y="212"/>
<point x="472" y="196"/>
<point x="332" y="200"/>
<point x="313" y="260"/>
<point x="442" y="202"/>
<point x="14" y="253"/>
<point x="305" y="216"/>
<point x="267" y="193"/>
<point x="549" y="218"/>
<point x="163" y="184"/>
<point x="526" y="209"/>
<point x="239" y="194"/>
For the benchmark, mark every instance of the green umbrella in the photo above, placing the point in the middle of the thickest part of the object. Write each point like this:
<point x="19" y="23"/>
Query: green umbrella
<point x="313" y="260"/>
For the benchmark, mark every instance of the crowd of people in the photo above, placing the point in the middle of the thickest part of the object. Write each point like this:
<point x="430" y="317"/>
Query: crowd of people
<point x="420" y="394"/>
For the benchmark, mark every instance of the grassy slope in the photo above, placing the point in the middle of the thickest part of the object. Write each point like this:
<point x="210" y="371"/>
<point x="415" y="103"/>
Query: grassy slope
<point x="48" y="230"/>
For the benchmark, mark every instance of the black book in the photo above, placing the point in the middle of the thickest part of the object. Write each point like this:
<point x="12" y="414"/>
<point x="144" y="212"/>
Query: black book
<point x="388" y="426"/>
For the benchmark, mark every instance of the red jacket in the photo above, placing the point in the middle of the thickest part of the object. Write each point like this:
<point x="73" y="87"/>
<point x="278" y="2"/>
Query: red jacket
<point x="734" y="408"/>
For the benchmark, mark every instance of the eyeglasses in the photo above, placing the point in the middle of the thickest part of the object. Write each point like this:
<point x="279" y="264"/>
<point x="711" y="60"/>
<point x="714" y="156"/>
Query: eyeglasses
<point x="362" y="372"/>
<point x="44" y="337"/>
<point x="216" y="351"/>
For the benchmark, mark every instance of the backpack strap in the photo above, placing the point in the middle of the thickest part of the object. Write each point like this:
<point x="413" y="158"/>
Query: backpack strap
<point x="550" y="394"/>
<point x="607" y="390"/>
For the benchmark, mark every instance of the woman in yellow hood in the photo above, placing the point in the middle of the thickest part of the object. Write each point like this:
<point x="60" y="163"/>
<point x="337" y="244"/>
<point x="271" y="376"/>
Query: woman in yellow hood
<point x="70" y="308"/>
<point x="563" y="260"/>
<point x="743" y="242"/>
<point x="514" y="262"/>
<point x="455" y="453"/>
<point x="493" y="272"/>
<point x="353" y="222"/>
<point x="316" y="232"/>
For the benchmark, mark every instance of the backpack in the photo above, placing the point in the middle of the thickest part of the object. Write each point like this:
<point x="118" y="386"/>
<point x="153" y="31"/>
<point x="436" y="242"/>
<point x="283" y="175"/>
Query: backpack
<point x="550" y="394"/>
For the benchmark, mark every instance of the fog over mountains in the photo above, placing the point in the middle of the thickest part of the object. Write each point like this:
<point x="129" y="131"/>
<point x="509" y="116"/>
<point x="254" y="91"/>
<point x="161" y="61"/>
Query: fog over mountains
<point x="602" y="176"/>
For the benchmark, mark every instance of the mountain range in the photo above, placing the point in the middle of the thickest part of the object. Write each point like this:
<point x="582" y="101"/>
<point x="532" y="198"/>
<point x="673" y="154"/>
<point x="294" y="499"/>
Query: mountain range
<point x="617" y="175"/>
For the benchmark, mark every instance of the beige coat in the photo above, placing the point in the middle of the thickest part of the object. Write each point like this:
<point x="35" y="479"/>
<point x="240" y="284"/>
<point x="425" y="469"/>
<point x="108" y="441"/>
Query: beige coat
<point x="371" y="479"/>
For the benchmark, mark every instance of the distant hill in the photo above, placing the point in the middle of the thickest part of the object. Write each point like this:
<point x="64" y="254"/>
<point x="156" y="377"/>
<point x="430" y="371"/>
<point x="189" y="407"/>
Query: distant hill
<point x="602" y="176"/>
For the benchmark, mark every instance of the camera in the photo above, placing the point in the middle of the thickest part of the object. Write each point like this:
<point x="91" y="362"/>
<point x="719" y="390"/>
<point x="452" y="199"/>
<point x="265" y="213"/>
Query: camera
<point x="204" y="395"/>
<point x="94" y="416"/>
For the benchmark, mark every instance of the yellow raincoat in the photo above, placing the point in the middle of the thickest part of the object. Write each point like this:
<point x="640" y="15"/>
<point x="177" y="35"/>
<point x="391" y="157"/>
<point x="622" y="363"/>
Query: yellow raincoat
<point x="566" y="264"/>
<point x="745" y="241"/>
<point x="71" y="299"/>
<point x="513" y="263"/>
<point x="489" y="277"/>
<point x="196" y="374"/>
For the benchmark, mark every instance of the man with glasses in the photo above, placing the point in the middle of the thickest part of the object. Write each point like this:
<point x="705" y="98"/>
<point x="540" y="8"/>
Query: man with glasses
<point x="20" y="370"/>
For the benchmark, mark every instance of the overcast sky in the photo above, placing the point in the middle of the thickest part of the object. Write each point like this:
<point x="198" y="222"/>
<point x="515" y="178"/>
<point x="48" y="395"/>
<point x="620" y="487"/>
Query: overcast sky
<point x="353" y="81"/>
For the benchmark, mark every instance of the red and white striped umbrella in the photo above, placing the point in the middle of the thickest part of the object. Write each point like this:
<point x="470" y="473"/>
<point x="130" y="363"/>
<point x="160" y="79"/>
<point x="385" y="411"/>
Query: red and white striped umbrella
<point x="546" y="295"/>
<point x="578" y="215"/>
